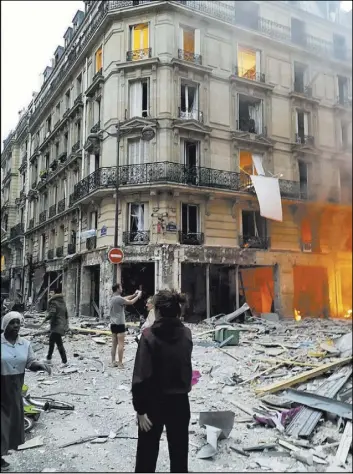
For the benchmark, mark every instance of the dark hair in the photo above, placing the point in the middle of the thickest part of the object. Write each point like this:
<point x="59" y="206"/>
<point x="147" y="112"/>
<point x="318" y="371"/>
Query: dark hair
<point x="116" y="287"/>
<point x="167" y="303"/>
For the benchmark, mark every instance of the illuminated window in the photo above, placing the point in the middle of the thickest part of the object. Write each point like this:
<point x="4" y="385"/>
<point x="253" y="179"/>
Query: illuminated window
<point x="99" y="59"/>
<point x="140" y="41"/>
<point x="248" y="65"/>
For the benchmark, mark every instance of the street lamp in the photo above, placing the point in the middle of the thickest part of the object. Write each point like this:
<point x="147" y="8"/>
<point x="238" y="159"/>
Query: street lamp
<point x="147" y="134"/>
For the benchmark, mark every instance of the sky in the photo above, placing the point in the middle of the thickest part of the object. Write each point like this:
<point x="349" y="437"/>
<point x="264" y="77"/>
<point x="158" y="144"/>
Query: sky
<point x="30" y="33"/>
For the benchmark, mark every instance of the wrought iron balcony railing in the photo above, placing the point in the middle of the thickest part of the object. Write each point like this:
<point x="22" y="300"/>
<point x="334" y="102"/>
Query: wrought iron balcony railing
<point x="42" y="217"/>
<point x="31" y="223"/>
<point x="71" y="249"/>
<point x="78" y="100"/>
<point x="34" y="184"/>
<point x="61" y="205"/>
<point x="139" y="54"/>
<point x="52" y="211"/>
<point x="300" y="88"/>
<point x="249" y="125"/>
<point x="63" y="157"/>
<point x="189" y="56"/>
<point x="306" y="246"/>
<point x="96" y="127"/>
<point x="254" y="242"/>
<point x="91" y="243"/>
<point x="59" y="251"/>
<point x="250" y="74"/>
<point x="51" y="254"/>
<point x="191" y="238"/>
<point x="71" y="199"/>
<point x="76" y="147"/>
<point x="304" y="139"/>
<point x="190" y="115"/>
<point x="140" y="237"/>
<point x="16" y="231"/>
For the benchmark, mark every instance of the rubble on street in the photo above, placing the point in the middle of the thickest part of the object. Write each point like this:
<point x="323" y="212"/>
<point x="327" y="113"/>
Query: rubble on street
<point x="244" y="417"/>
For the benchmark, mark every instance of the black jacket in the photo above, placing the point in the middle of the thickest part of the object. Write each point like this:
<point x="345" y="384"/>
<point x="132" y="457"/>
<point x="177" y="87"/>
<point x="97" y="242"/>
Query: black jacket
<point x="162" y="364"/>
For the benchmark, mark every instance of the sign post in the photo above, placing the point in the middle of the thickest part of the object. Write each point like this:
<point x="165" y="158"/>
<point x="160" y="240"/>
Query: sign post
<point x="115" y="256"/>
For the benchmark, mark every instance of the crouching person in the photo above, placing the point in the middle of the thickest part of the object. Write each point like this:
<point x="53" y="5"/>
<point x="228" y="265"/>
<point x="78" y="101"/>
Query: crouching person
<point x="160" y="385"/>
<point x="16" y="355"/>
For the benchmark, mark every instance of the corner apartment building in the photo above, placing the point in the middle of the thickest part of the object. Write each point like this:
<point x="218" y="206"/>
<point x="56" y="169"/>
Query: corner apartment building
<point x="219" y="83"/>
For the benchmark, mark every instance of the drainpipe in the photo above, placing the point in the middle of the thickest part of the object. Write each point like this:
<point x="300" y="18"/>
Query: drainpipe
<point x="237" y="287"/>
<point x="25" y="220"/>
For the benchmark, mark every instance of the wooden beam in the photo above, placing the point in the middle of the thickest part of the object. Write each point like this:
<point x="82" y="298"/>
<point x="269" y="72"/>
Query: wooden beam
<point x="344" y="446"/>
<point x="300" y="378"/>
<point x="286" y="362"/>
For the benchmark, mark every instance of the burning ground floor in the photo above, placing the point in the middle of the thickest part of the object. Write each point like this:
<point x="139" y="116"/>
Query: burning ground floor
<point x="216" y="280"/>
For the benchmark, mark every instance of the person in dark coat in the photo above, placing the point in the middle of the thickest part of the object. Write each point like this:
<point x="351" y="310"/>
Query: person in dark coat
<point x="160" y="385"/>
<point x="59" y="324"/>
<point x="16" y="356"/>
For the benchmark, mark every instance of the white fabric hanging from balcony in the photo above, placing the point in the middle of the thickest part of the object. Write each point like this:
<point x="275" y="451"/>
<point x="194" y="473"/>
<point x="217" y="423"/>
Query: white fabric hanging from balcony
<point x="269" y="197"/>
<point x="257" y="162"/>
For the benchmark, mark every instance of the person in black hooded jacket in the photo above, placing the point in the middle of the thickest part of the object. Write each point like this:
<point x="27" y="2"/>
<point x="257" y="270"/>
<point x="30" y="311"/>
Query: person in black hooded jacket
<point x="160" y="385"/>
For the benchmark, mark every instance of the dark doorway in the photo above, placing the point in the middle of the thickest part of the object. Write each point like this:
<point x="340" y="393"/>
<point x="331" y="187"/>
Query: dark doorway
<point x="311" y="291"/>
<point x="222" y="289"/>
<point x="138" y="276"/>
<point x="95" y="282"/>
<point x="193" y="284"/>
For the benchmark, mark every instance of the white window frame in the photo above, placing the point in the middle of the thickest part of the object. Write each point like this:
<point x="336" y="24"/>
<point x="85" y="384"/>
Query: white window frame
<point x="136" y="98"/>
<point x="197" y="38"/>
<point x="194" y="114"/>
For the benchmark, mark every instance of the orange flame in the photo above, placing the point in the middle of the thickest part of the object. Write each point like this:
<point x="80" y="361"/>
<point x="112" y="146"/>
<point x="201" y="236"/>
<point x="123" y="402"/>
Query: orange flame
<point x="297" y="315"/>
<point x="348" y="314"/>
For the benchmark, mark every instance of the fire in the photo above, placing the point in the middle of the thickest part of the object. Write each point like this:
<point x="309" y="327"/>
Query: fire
<point x="297" y="315"/>
<point x="348" y="314"/>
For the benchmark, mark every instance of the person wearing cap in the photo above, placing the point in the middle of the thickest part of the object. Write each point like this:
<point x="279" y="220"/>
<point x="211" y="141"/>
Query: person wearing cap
<point x="16" y="356"/>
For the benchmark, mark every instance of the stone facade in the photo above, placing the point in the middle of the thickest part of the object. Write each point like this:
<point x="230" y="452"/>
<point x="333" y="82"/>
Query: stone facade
<point x="184" y="196"/>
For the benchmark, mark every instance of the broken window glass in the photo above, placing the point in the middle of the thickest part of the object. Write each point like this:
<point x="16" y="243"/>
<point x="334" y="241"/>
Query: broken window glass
<point x="250" y="114"/>
<point x="189" y="102"/>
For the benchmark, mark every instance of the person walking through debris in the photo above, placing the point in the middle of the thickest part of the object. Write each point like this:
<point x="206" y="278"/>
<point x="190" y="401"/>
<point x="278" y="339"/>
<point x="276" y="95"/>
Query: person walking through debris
<point x="16" y="356"/>
<point x="160" y="385"/>
<point x="117" y="321"/>
<point x="59" y="324"/>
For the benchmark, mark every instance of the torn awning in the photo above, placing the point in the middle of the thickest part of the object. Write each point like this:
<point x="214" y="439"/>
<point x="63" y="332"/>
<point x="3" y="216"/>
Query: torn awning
<point x="269" y="197"/>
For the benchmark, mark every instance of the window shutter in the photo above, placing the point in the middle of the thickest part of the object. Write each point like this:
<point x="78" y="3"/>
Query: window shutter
<point x="258" y="62"/>
<point x="145" y="151"/>
<point x="296" y="122"/>
<point x="197" y="45"/>
<point x="135" y="99"/>
<point x="133" y="152"/>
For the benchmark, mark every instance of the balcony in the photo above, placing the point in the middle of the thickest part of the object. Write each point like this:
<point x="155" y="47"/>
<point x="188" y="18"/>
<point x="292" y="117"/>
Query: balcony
<point x="53" y="165"/>
<point x="191" y="238"/>
<point x="71" y="249"/>
<point x="96" y="81"/>
<point x="34" y="184"/>
<point x="61" y="205"/>
<point x="51" y="254"/>
<point x="139" y="54"/>
<point x="343" y="102"/>
<point x="254" y="242"/>
<point x="190" y="57"/>
<point x="141" y="237"/>
<point x="52" y="211"/>
<point x="16" y="231"/>
<point x="304" y="140"/>
<point x="63" y="157"/>
<point x="59" y="251"/>
<point x="96" y="127"/>
<point x="23" y="162"/>
<point x="42" y="217"/>
<point x="91" y="243"/>
<point x="31" y="223"/>
<point x="249" y="74"/>
<point x="193" y="115"/>
<point x="76" y="147"/>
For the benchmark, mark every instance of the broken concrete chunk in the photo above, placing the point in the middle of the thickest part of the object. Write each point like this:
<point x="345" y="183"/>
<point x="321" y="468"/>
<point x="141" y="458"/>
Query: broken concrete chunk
<point x="31" y="443"/>
<point x="99" y="440"/>
<point x="305" y="457"/>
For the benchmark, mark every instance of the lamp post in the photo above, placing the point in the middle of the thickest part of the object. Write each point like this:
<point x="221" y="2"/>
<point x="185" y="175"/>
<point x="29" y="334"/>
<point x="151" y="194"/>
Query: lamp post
<point x="147" y="134"/>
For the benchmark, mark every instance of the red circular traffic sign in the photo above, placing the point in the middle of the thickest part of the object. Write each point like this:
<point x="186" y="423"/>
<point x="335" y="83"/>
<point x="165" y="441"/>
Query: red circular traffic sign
<point x="115" y="255"/>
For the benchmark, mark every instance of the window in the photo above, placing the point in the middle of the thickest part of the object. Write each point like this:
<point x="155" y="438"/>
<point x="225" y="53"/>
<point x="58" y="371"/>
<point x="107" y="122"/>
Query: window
<point x="139" y="98"/>
<point x="47" y="126"/>
<point x="190" y="41"/>
<point x="138" y="222"/>
<point x="42" y="247"/>
<point x="79" y="85"/>
<point x="342" y="86"/>
<point x="78" y="131"/>
<point x="189" y="101"/>
<point x="249" y="114"/>
<point x="339" y="46"/>
<point x="68" y="99"/>
<point x="298" y="35"/>
<point x="139" y="40"/>
<point x="254" y="230"/>
<point x="190" y="159"/>
<point x="66" y="142"/>
<point x="190" y="219"/>
<point x="303" y="179"/>
<point x="46" y="161"/>
<point x="57" y="112"/>
<point x="23" y="181"/>
<point x="93" y="220"/>
<point x="344" y="134"/>
<point x="52" y="239"/>
<point x="138" y="152"/>
<point x="61" y="236"/>
<point x="248" y="63"/>
<point x="302" y="127"/>
<point x="251" y="164"/>
<point x="99" y="59"/>
<point x="300" y="72"/>
<point x="57" y="148"/>
<point x="306" y="235"/>
<point x="21" y="215"/>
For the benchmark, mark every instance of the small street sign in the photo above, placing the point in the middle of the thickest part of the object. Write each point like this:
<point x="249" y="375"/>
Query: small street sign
<point x="115" y="255"/>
